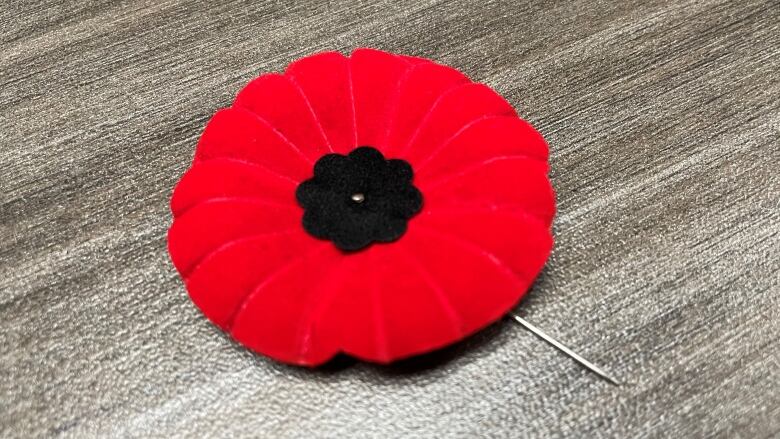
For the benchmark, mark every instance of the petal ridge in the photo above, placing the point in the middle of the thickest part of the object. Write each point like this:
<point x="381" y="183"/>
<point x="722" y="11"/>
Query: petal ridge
<point x="221" y="177"/>
<point x="455" y="321"/>
<point x="279" y="271"/>
<point x="277" y="99"/>
<point x="468" y="98"/>
<point x="230" y="243"/>
<point x="316" y="118"/>
<point x="474" y="248"/>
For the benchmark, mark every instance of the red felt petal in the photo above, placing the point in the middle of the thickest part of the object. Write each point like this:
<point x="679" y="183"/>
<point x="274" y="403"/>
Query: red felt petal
<point x="324" y="79"/>
<point x="465" y="260"/>
<point x="485" y="139"/>
<point x="414" y="59"/>
<point x="519" y="241"/>
<point x="375" y="78"/>
<point x="211" y="224"/>
<point x="441" y="282"/>
<point x="479" y="286"/>
<point x="222" y="280"/>
<point x="416" y="94"/>
<point x="238" y="134"/>
<point x="396" y="309"/>
<point x="278" y="317"/>
<point x="508" y="183"/>
<point x="278" y="100"/>
<point x="451" y="112"/>
<point x="379" y="309"/>
<point x="354" y="314"/>
<point x="221" y="178"/>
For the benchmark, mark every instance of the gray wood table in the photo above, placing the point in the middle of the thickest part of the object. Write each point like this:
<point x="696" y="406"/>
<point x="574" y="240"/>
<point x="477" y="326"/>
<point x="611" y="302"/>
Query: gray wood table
<point x="663" y="119"/>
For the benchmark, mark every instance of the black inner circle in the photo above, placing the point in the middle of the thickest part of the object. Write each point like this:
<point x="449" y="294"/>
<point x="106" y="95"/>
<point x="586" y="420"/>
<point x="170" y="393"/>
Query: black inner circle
<point x="359" y="198"/>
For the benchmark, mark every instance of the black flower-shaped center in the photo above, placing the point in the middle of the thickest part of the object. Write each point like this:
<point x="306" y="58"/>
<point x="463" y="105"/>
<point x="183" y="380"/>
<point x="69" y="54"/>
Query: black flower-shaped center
<point x="358" y="199"/>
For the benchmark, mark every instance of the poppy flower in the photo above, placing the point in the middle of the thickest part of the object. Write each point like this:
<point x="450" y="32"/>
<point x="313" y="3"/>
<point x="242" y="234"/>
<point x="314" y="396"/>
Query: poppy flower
<point x="377" y="205"/>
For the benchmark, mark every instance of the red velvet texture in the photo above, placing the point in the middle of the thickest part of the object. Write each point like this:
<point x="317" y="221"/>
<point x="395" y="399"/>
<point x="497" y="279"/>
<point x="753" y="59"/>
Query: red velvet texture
<point x="467" y="258"/>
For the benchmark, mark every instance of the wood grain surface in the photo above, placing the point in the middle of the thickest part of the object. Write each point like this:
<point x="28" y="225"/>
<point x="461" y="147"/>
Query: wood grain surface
<point x="664" y="126"/>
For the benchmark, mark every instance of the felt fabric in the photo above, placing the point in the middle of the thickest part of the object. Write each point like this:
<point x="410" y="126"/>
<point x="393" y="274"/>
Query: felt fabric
<point x="375" y="76"/>
<point x="325" y="81"/>
<point x="453" y="111"/>
<point x="225" y="178"/>
<point x="278" y="100"/>
<point x="452" y="229"/>
<point x="386" y="199"/>
<point x="238" y="134"/>
<point x="415" y="93"/>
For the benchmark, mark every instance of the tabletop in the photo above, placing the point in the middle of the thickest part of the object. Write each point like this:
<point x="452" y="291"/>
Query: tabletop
<point x="663" y="120"/>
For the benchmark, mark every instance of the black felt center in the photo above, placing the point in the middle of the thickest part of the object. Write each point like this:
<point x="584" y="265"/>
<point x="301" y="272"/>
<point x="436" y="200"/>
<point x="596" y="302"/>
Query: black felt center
<point x="360" y="198"/>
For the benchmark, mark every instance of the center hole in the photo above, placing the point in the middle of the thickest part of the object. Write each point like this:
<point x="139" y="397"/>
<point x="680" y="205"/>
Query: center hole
<point x="358" y="197"/>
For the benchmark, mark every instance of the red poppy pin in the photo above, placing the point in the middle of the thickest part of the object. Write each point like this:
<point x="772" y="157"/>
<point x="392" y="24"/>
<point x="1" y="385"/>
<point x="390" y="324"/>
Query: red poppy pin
<point x="377" y="205"/>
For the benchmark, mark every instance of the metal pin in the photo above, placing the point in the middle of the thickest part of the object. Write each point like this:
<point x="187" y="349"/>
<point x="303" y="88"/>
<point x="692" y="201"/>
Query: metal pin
<point x="538" y="332"/>
<point x="358" y="197"/>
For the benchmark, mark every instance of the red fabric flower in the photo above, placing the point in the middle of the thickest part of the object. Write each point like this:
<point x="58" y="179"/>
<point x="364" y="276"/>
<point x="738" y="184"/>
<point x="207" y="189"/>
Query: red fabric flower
<point x="456" y="220"/>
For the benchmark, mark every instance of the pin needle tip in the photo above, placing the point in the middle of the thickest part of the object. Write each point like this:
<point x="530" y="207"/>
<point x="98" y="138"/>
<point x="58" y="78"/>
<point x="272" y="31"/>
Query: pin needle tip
<point x="558" y="345"/>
